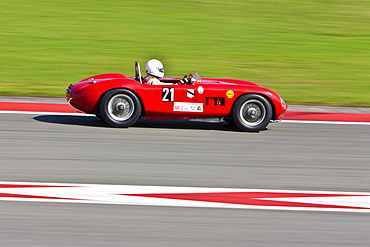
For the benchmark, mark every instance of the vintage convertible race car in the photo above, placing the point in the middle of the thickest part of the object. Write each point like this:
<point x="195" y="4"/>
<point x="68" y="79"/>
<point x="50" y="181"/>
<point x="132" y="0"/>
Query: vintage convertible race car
<point x="120" y="100"/>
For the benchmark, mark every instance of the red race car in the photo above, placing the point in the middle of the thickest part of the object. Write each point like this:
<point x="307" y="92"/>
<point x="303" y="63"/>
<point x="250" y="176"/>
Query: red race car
<point x="120" y="100"/>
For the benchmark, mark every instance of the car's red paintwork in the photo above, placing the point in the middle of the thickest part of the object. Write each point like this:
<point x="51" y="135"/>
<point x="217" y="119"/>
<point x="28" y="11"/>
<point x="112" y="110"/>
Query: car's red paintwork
<point x="216" y="96"/>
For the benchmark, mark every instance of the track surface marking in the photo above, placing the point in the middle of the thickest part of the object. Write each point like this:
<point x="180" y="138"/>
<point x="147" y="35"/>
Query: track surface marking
<point x="291" y="116"/>
<point x="186" y="196"/>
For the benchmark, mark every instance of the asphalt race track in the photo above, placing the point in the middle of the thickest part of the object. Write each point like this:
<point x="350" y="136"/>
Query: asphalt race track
<point x="51" y="148"/>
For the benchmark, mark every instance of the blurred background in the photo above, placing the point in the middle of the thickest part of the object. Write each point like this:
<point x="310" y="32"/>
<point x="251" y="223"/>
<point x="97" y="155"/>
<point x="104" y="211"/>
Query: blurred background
<point x="310" y="52"/>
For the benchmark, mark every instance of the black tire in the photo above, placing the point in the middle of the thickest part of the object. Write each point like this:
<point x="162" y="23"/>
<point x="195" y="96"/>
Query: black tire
<point x="120" y="108"/>
<point x="252" y="112"/>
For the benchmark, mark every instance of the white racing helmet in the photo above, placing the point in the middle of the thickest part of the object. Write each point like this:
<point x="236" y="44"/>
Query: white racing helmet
<point x="155" y="68"/>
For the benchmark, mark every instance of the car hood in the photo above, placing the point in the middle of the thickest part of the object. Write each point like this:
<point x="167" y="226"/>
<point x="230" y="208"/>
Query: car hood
<point x="228" y="82"/>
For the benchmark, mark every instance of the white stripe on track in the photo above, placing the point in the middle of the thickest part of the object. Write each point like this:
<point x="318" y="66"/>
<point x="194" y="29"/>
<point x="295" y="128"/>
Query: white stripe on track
<point x="117" y="194"/>
<point x="84" y="114"/>
<point x="45" y="113"/>
<point x="324" y="122"/>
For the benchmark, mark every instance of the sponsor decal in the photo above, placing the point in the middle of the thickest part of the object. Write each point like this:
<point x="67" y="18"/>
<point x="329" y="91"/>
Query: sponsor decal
<point x="188" y="107"/>
<point x="230" y="94"/>
<point x="190" y="93"/>
<point x="200" y="90"/>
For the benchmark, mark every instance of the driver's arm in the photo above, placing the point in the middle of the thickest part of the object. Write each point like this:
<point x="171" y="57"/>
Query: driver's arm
<point x="186" y="80"/>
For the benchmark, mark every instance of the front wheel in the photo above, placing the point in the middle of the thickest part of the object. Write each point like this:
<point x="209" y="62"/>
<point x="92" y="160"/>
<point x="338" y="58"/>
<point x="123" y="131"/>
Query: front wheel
<point x="120" y="108"/>
<point x="252" y="112"/>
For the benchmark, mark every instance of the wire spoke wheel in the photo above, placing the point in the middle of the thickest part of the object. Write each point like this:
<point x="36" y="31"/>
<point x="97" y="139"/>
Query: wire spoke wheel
<point x="120" y="108"/>
<point x="252" y="112"/>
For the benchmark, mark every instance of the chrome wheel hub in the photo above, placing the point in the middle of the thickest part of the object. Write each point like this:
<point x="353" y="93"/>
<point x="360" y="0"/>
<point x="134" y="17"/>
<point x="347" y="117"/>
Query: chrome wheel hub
<point x="252" y="112"/>
<point x="120" y="107"/>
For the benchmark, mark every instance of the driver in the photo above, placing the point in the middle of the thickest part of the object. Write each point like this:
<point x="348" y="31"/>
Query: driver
<point x="155" y="71"/>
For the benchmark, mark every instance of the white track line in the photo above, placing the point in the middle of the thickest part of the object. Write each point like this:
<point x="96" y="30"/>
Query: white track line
<point x="84" y="114"/>
<point x="325" y="122"/>
<point x="135" y="195"/>
<point x="44" y="113"/>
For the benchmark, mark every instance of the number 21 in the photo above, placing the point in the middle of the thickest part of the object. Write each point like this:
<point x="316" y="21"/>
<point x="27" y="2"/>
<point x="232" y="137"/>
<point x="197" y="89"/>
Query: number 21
<point x="168" y="94"/>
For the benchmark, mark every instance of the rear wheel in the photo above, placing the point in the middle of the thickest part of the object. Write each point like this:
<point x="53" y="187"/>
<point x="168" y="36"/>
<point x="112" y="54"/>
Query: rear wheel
<point x="252" y="112"/>
<point x="120" y="108"/>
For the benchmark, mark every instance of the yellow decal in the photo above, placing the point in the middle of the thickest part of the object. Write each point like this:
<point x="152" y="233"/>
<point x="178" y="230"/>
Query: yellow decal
<point x="230" y="94"/>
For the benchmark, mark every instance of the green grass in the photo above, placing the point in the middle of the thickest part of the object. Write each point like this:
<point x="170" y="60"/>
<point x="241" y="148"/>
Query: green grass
<point x="310" y="52"/>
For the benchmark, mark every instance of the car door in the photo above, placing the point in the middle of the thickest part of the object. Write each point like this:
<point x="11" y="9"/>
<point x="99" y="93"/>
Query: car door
<point x="166" y="96"/>
<point x="192" y="102"/>
<point x="179" y="100"/>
